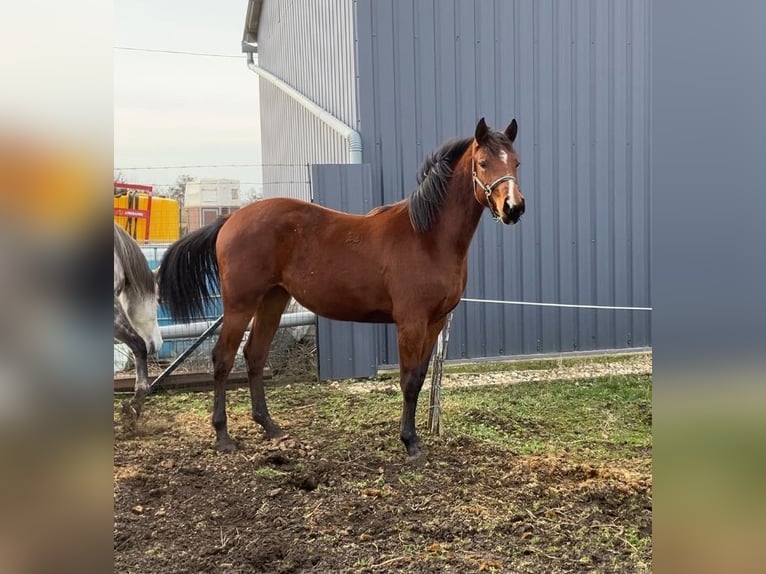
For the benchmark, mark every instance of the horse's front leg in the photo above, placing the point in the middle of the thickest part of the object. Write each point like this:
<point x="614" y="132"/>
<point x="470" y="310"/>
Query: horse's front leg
<point x="141" y="389"/>
<point x="124" y="331"/>
<point x="415" y="346"/>
<point x="411" y="381"/>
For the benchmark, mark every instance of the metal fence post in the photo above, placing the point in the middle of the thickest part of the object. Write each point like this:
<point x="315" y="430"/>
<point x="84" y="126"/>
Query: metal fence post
<point x="434" y="411"/>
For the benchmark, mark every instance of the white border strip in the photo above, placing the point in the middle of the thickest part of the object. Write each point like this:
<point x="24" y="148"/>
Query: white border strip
<point x="531" y="304"/>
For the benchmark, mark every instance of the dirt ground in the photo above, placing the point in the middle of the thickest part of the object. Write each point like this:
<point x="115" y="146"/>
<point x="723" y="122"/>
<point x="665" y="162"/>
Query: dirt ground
<point x="337" y="495"/>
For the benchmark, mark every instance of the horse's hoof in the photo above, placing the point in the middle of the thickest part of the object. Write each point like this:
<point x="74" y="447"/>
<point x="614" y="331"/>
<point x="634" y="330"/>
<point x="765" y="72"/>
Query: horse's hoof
<point x="129" y="415"/>
<point x="226" y="445"/>
<point x="417" y="459"/>
<point x="275" y="432"/>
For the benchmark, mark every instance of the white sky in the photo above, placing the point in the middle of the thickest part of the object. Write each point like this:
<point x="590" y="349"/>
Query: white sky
<point x="184" y="110"/>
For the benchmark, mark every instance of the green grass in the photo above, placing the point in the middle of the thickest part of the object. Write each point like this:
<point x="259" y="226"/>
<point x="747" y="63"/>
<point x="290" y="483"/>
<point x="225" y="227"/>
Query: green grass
<point x="605" y="418"/>
<point x="194" y="402"/>
<point x="608" y="417"/>
<point x="267" y="472"/>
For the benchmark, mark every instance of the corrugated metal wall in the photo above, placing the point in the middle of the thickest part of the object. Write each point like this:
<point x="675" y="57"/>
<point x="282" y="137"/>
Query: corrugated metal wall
<point x="311" y="48"/>
<point x="576" y="76"/>
<point x="345" y="349"/>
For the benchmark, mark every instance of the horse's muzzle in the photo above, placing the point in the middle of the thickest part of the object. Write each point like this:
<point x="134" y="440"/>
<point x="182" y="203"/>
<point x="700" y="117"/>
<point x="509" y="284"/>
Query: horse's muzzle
<point x="512" y="214"/>
<point x="154" y="344"/>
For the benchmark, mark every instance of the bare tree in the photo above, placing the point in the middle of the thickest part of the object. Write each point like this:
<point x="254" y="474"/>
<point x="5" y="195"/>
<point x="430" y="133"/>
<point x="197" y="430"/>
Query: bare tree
<point x="177" y="191"/>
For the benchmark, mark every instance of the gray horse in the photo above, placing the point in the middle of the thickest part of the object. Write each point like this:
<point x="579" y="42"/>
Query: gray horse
<point x="135" y="312"/>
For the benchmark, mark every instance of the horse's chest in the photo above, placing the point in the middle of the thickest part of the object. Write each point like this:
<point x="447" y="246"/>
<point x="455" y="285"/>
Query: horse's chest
<point x="440" y="291"/>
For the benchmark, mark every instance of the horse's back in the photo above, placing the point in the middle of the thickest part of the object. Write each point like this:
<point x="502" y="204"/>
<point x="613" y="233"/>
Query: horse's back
<point x="287" y="206"/>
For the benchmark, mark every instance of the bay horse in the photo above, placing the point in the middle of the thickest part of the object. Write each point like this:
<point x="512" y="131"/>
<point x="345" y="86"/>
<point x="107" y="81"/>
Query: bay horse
<point x="404" y="263"/>
<point x="135" y="312"/>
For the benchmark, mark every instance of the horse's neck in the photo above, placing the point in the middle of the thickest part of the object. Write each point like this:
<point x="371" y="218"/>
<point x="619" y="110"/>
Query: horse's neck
<point x="461" y="212"/>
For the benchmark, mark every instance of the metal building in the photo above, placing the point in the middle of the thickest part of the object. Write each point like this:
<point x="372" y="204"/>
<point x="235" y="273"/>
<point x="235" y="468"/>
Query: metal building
<point x="393" y="79"/>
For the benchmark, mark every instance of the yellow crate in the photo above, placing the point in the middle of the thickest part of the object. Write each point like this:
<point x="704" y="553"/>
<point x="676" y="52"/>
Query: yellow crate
<point x="164" y="221"/>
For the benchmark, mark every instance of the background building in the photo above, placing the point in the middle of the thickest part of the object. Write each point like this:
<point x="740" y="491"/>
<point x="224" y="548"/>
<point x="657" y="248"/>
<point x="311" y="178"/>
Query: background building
<point x="380" y="83"/>
<point x="207" y="199"/>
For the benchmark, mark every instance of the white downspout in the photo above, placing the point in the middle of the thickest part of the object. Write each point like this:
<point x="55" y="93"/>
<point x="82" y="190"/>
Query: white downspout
<point x="352" y="137"/>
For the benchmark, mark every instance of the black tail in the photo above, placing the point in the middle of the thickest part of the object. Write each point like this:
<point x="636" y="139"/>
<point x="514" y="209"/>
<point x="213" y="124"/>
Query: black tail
<point x="189" y="271"/>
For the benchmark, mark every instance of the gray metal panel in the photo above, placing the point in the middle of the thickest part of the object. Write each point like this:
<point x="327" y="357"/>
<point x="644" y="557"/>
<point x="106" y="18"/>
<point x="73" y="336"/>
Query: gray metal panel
<point x="576" y="75"/>
<point x="345" y="349"/>
<point x="287" y="152"/>
<point x="310" y="45"/>
<point x="312" y="50"/>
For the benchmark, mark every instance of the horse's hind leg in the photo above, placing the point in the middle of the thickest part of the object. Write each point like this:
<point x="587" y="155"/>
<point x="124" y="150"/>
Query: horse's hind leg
<point x="124" y="331"/>
<point x="234" y="325"/>
<point x="416" y="343"/>
<point x="265" y="325"/>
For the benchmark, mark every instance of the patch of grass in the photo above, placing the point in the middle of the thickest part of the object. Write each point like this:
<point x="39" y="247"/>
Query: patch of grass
<point x="408" y="478"/>
<point x="267" y="472"/>
<point x="636" y="540"/>
<point x="604" y="417"/>
<point x="175" y="401"/>
<point x="357" y="412"/>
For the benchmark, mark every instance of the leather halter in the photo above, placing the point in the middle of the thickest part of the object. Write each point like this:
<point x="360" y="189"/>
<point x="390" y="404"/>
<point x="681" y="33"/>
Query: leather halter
<point x="489" y="188"/>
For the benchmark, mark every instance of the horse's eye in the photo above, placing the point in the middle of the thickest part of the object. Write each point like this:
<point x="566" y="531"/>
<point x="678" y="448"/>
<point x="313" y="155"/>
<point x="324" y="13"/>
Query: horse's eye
<point x="482" y="164"/>
<point x="518" y="163"/>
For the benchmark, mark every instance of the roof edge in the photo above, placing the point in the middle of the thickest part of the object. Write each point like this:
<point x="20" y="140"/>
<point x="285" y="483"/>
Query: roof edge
<point x="252" y="21"/>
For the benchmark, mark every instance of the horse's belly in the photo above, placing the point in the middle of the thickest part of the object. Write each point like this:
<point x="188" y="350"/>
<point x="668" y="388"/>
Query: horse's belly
<point x="363" y="304"/>
<point x="360" y="317"/>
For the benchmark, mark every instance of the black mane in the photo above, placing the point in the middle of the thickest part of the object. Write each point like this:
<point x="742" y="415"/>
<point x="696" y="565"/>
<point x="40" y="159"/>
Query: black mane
<point x="428" y="197"/>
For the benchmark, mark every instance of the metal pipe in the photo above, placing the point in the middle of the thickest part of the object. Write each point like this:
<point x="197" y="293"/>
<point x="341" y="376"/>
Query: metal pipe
<point x="179" y="359"/>
<point x="191" y="330"/>
<point x="204" y="329"/>
<point x="352" y="137"/>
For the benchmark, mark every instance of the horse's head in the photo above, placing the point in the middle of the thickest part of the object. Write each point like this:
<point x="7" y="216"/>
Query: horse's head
<point x="493" y="169"/>
<point x="142" y="309"/>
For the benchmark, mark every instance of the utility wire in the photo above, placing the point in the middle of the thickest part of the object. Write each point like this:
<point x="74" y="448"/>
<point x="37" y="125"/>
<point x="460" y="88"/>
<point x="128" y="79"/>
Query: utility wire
<point x="303" y="165"/>
<point x="304" y="181"/>
<point x="180" y="52"/>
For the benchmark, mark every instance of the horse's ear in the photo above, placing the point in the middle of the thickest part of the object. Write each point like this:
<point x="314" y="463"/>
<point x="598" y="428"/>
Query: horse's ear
<point x="512" y="130"/>
<point x="481" y="131"/>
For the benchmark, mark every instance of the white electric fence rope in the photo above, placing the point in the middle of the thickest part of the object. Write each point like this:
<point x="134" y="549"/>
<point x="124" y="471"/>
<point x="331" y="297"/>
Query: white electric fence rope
<point x="564" y="305"/>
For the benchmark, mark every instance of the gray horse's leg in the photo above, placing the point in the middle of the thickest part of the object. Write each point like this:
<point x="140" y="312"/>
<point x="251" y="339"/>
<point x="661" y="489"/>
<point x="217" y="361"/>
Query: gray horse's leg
<point x="124" y="331"/>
